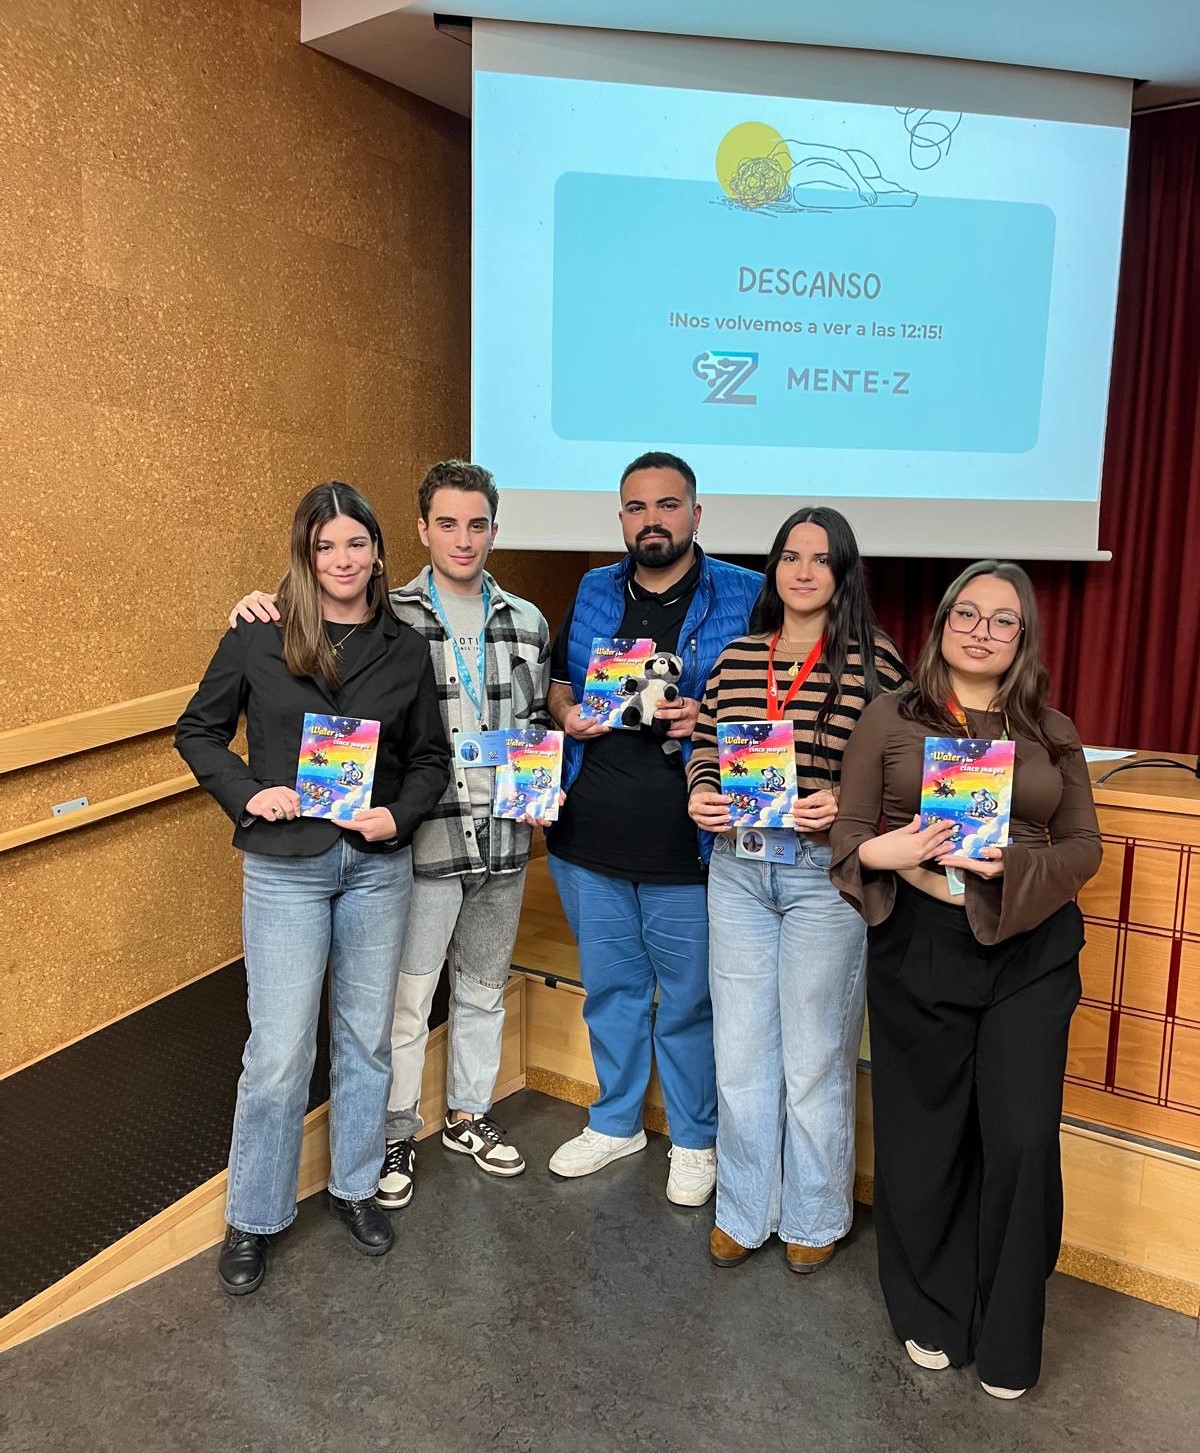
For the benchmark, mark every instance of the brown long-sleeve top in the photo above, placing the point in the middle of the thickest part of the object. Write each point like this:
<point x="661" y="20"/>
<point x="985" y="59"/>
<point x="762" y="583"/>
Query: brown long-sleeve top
<point x="737" y="691"/>
<point x="1054" y="841"/>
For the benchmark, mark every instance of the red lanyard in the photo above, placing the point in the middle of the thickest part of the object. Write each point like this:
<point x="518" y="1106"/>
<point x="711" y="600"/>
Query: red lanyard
<point x="776" y="708"/>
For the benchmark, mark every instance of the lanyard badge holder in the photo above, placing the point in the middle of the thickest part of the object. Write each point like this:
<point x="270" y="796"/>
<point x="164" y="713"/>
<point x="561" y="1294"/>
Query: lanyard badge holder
<point x="482" y="748"/>
<point x="473" y="685"/>
<point x="766" y="844"/>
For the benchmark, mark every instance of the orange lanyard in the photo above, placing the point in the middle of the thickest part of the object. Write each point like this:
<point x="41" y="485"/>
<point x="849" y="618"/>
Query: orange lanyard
<point x="960" y="716"/>
<point x="776" y="708"/>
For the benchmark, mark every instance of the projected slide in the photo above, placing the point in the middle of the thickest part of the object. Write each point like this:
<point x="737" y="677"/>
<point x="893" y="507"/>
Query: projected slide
<point x="865" y="330"/>
<point x="920" y="301"/>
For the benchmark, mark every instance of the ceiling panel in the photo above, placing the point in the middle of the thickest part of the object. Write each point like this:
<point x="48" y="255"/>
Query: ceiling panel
<point x="1155" y="41"/>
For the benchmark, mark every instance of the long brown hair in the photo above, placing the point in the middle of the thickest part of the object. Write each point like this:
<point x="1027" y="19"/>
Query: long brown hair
<point x="1021" y="695"/>
<point x="306" y="647"/>
<point x="850" y="621"/>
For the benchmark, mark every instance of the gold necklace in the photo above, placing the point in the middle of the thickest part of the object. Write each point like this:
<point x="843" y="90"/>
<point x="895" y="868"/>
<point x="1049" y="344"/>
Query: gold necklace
<point x="801" y="650"/>
<point x="337" y="645"/>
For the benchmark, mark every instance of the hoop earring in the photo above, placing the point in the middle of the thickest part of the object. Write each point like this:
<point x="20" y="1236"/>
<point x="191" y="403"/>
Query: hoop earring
<point x="377" y="569"/>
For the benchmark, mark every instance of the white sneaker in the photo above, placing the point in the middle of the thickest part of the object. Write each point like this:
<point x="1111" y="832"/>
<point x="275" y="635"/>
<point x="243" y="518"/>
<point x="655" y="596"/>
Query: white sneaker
<point x="693" y="1176"/>
<point x="924" y="1356"/>
<point x="1007" y="1393"/>
<point x="591" y="1151"/>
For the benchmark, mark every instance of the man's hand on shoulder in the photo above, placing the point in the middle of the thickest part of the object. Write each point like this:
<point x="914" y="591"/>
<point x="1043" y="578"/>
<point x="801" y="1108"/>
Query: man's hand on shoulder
<point x="259" y="605"/>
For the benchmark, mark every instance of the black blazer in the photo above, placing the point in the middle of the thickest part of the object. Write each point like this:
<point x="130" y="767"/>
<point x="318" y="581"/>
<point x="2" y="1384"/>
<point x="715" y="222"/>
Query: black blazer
<point x="392" y="683"/>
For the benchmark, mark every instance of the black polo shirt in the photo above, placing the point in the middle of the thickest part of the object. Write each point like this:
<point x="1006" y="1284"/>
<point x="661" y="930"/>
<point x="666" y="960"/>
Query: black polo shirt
<point x="626" y="813"/>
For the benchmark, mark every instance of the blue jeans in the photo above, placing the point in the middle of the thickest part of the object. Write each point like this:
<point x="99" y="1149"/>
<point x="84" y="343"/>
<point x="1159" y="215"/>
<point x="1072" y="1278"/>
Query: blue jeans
<point x="787" y="957"/>
<point x="470" y="923"/>
<point x="631" y="937"/>
<point x="347" y="909"/>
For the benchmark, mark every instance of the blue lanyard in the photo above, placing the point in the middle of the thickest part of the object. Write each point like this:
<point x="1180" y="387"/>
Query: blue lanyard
<point x="464" y="674"/>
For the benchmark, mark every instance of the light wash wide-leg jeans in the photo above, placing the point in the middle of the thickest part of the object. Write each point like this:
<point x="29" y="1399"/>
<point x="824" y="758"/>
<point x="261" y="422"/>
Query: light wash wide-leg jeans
<point x="345" y="909"/>
<point x="787" y="974"/>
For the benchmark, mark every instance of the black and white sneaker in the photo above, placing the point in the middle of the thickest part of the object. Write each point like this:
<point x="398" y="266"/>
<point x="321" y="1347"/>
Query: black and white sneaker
<point x="483" y="1139"/>
<point x="398" y="1175"/>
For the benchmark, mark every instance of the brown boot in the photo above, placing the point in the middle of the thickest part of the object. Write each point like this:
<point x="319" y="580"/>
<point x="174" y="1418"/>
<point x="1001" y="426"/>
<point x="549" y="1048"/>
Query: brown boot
<point x="807" y="1258"/>
<point x="724" y="1250"/>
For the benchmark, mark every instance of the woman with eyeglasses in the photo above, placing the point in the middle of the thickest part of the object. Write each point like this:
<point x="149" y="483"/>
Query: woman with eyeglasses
<point x="972" y="977"/>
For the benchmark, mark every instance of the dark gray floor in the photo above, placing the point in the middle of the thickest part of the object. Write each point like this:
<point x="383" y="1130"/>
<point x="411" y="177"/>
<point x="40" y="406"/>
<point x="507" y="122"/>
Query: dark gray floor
<point x="568" y="1316"/>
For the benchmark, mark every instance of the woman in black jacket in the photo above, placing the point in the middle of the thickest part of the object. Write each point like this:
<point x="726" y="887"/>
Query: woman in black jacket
<point x="317" y="891"/>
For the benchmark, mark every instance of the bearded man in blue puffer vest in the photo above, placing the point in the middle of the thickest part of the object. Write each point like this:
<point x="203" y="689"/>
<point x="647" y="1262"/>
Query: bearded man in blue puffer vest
<point x="629" y="865"/>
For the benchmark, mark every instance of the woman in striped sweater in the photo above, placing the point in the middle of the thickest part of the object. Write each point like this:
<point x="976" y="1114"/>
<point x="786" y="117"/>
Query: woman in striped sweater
<point x="786" y="953"/>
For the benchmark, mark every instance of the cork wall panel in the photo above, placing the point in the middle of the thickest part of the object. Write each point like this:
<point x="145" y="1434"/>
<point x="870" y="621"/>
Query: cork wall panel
<point x="113" y="915"/>
<point x="233" y="267"/>
<point x="230" y="267"/>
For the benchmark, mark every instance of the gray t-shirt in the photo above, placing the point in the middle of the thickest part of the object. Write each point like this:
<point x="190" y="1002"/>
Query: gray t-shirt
<point x="464" y="613"/>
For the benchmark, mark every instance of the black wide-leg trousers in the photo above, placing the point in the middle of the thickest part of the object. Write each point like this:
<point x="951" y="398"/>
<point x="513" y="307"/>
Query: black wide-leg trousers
<point x="968" y="1050"/>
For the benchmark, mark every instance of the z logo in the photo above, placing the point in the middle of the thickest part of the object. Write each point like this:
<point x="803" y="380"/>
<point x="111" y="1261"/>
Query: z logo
<point x="725" y="373"/>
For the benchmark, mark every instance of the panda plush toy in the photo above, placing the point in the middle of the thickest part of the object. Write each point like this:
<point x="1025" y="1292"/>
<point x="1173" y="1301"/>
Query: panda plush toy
<point x="659" y="681"/>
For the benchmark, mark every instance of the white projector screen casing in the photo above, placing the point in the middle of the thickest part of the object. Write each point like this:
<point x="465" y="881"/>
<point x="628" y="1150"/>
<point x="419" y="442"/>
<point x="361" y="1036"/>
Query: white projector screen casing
<point x="560" y="492"/>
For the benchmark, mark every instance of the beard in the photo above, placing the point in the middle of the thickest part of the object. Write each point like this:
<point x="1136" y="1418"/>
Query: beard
<point x="656" y="552"/>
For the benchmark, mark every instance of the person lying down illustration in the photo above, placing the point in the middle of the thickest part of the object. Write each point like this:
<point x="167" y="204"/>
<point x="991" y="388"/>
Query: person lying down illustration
<point x="809" y="176"/>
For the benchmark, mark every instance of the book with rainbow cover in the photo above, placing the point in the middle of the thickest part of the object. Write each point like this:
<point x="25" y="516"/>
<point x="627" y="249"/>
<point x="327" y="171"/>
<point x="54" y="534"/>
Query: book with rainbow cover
<point x="967" y="781"/>
<point x="337" y="765"/>
<point x="527" y="783"/>
<point x="758" y="771"/>
<point x="615" y="661"/>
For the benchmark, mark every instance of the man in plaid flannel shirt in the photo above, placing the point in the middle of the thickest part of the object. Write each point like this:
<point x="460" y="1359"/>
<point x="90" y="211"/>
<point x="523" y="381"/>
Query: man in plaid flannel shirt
<point x="490" y="653"/>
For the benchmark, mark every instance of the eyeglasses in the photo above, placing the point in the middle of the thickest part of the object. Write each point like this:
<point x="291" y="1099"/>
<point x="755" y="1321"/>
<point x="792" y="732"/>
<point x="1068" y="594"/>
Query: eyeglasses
<point x="1003" y="626"/>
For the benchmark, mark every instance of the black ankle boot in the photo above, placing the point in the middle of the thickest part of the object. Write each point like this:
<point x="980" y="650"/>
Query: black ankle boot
<point x="242" y="1263"/>
<point x="369" y="1228"/>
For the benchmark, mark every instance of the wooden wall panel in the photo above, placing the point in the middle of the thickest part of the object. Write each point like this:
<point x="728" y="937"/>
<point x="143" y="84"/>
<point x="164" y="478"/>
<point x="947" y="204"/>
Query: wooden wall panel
<point x="1134" y="1059"/>
<point x="230" y="267"/>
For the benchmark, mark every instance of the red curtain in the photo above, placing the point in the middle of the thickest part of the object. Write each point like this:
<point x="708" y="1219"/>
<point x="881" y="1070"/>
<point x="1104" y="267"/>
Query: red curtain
<point x="1122" y="639"/>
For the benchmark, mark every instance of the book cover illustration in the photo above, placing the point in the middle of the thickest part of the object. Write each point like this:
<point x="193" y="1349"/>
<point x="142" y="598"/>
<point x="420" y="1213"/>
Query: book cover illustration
<point x="337" y="765"/>
<point x="758" y="771"/>
<point x="527" y="782"/>
<point x="967" y="781"/>
<point x="616" y="670"/>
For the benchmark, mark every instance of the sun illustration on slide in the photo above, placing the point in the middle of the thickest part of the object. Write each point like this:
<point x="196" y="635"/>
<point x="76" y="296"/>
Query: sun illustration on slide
<point x="751" y="171"/>
<point x="759" y="169"/>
